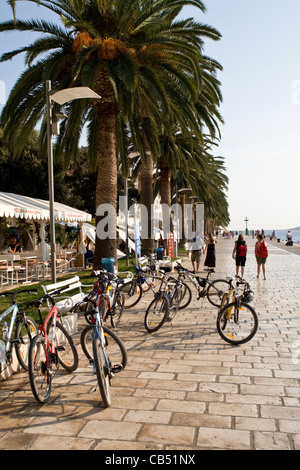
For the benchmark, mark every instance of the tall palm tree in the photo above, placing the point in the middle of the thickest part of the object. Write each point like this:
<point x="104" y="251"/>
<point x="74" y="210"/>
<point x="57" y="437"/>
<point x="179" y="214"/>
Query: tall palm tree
<point x="131" y="52"/>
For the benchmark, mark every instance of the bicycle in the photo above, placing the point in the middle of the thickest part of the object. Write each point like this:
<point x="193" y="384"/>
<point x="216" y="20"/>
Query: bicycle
<point x="104" y="350"/>
<point x="213" y="290"/>
<point x="53" y="346"/>
<point x="136" y="287"/>
<point x="111" y="298"/>
<point x="24" y="327"/>
<point x="165" y="304"/>
<point x="237" y="321"/>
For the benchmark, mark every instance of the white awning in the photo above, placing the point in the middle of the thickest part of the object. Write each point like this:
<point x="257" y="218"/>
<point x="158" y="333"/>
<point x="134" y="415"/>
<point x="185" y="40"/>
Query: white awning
<point x="13" y="205"/>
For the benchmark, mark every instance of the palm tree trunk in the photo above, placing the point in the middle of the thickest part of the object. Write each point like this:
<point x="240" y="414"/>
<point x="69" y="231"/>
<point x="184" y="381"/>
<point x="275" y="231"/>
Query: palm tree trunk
<point x="106" y="189"/>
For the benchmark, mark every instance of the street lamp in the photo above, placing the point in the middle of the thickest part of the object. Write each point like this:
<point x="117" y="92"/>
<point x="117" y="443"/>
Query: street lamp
<point x="61" y="97"/>
<point x="246" y="220"/>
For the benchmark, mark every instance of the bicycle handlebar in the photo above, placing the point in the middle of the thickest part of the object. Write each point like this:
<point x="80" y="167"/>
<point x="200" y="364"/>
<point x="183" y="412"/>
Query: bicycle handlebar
<point x="103" y="272"/>
<point x="15" y="293"/>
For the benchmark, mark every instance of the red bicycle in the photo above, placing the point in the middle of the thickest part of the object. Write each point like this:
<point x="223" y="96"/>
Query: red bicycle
<point x="53" y="346"/>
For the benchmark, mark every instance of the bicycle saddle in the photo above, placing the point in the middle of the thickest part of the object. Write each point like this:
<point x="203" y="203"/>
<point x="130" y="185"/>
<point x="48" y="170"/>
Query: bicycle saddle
<point x="36" y="303"/>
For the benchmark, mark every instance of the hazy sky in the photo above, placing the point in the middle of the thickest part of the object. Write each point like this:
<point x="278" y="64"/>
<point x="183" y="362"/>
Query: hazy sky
<point x="260" y="55"/>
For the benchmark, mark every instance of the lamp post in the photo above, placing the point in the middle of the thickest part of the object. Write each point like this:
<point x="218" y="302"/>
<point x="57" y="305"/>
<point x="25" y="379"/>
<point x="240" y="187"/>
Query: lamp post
<point x="246" y="220"/>
<point x="61" y="97"/>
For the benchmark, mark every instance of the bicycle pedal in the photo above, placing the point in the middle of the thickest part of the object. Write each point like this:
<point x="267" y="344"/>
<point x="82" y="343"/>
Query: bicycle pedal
<point x="117" y="368"/>
<point x="60" y="348"/>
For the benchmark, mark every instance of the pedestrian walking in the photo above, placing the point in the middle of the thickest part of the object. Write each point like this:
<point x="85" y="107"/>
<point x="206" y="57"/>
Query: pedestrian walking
<point x="210" y="249"/>
<point x="197" y="246"/>
<point x="239" y="254"/>
<point x="261" y="254"/>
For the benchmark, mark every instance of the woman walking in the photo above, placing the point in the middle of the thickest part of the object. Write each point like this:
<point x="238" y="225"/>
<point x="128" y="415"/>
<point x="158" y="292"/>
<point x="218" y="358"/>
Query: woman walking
<point x="261" y="253"/>
<point x="239" y="253"/>
<point x="210" y="260"/>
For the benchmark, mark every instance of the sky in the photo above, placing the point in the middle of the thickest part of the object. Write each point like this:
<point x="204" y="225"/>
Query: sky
<point x="260" y="83"/>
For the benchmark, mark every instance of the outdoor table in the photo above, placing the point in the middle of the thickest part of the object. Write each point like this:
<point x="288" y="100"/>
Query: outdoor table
<point x="10" y="258"/>
<point x="27" y="258"/>
<point x="66" y="256"/>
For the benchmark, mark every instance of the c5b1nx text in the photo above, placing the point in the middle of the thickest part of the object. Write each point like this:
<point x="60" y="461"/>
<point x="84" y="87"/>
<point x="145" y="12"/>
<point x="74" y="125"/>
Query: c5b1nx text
<point x="170" y="459"/>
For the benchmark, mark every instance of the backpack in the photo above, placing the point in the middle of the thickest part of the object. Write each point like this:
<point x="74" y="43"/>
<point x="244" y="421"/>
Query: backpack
<point x="263" y="250"/>
<point x="242" y="250"/>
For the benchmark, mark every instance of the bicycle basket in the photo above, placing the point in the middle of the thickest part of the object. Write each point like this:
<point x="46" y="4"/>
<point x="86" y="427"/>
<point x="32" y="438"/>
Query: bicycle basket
<point x="247" y="296"/>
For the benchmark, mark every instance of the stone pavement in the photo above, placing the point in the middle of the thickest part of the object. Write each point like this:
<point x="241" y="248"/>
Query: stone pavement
<point x="183" y="388"/>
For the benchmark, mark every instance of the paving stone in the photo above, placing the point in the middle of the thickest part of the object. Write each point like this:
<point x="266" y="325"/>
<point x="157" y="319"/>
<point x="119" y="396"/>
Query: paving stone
<point x="271" y="441"/>
<point x="232" y="439"/>
<point x="167" y="434"/>
<point x="184" y="387"/>
<point x="110" y="430"/>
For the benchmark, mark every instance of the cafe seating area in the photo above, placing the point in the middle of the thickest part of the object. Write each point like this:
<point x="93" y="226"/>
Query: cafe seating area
<point x="27" y="219"/>
<point x="28" y="267"/>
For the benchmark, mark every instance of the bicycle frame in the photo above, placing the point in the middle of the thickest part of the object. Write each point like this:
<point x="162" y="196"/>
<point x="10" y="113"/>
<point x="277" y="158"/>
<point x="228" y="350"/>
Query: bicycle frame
<point x="14" y="310"/>
<point x="99" y="333"/>
<point x="107" y="292"/>
<point x="195" y="280"/>
<point x="232" y="296"/>
<point x="228" y="296"/>
<point x="172" y="293"/>
<point x="43" y="328"/>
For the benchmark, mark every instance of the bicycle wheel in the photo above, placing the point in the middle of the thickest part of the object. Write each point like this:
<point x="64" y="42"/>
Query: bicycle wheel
<point x="156" y="313"/>
<point x="237" y="323"/>
<point x="216" y="291"/>
<point x="186" y="296"/>
<point x="65" y="349"/>
<point x="26" y="329"/>
<point x="39" y="369"/>
<point x="117" y="309"/>
<point x="113" y="345"/>
<point x="102" y="372"/>
<point x="132" y="294"/>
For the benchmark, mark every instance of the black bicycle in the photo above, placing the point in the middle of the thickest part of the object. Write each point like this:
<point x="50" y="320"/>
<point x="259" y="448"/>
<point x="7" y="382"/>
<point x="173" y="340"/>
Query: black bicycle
<point x="212" y="290"/>
<point x="165" y="304"/>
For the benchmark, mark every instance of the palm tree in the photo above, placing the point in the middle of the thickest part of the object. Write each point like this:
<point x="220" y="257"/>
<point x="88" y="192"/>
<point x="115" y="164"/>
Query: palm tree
<point x="131" y="52"/>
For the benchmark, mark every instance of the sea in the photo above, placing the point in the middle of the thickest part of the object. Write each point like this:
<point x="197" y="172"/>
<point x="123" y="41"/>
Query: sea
<point x="282" y="235"/>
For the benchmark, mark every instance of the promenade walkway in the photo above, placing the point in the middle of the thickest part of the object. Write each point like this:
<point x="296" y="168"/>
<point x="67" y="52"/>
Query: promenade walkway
<point x="183" y="388"/>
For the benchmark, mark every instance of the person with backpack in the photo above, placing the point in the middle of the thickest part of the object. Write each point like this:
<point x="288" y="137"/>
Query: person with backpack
<point x="239" y="254"/>
<point x="261" y="254"/>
